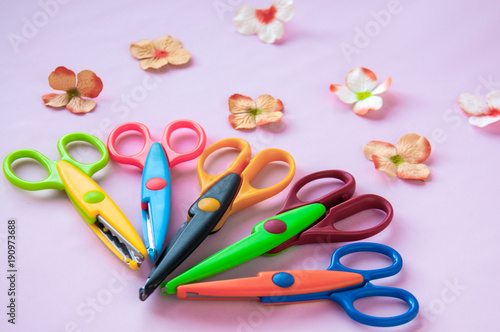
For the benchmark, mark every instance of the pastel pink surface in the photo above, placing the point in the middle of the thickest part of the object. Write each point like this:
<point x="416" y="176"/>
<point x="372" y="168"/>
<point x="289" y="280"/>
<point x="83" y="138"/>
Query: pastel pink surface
<point x="446" y="229"/>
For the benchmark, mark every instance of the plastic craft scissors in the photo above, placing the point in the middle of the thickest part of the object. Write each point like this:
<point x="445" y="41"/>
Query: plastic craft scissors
<point x="95" y="206"/>
<point x="296" y="223"/>
<point x="221" y="196"/>
<point x="156" y="159"/>
<point x="338" y="283"/>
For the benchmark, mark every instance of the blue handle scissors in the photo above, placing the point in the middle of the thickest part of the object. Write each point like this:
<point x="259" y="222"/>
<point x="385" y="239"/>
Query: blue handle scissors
<point x="338" y="283"/>
<point x="156" y="159"/>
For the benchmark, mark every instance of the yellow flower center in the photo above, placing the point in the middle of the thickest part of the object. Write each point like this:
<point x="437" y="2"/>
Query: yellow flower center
<point x="254" y="112"/>
<point x="363" y="95"/>
<point x="397" y="160"/>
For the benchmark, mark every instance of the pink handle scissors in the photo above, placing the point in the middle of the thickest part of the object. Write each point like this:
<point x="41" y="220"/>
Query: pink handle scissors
<point x="155" y="159"/>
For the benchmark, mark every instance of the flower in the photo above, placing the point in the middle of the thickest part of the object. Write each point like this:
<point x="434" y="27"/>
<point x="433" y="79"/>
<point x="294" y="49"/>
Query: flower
<point x="482" y="112"/>
<point x="89" y="85"/>
<point x="361" y="88"/>
<point x="246" y="114"/>
<point x="266" y="23"/>
<point x="159" y="52"/>
<point x="405" y="161"/>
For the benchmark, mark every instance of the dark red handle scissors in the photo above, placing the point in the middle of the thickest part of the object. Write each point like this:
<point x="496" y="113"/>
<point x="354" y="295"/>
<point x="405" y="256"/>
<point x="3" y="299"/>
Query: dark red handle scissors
<point x="340" y="205"/>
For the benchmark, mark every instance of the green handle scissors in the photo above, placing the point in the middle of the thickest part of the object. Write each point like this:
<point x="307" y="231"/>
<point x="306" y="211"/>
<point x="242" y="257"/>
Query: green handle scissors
<point x="95" y="206"/>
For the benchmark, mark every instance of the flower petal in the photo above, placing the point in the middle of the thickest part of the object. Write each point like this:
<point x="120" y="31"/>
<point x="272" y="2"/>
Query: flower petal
<point x="267" y="103"/>
<point x="239" y="104"/>
<point x="153" y="63"/>
<point x="80" y="105"/>
<point x="285" y="9"/>
<point x="371" y="103"/>
<point x="179" y="56"/>
<point x="381" y="149"/>
<point x="245" y="20"/>
<point x="361" y="79"/>
<point x="382" y="87"/>
<point x="55" y="99"/>
<point x="344" y="93"/>
<point x="413" y="171"/>
<point x="62" y="79"/>
<point x="143" y="49"/>
<point x="268" y="117"/>
<point x="167" y="43"/>
<point x="482" y="121"/>
<point x="270" y="32"/>
<point x="493" y="99"/>
<point x="89" y="84"/>
<point x="414" y="148"/>
<point x="242" y="121"/>
<point x="472" y="105"/>
<point x="385" y="165"/>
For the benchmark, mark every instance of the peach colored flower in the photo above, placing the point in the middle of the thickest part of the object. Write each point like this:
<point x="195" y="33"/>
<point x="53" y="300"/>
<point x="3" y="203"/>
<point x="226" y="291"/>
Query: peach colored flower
<point x="404" y="161"/>
<point x="266" y="23"/>
<point x="159" y="52"/>
<point x="361" y="89"/>
<point x="246" y="113"/>
<point x="482" y="112"/>
<point x="89" y="85"/>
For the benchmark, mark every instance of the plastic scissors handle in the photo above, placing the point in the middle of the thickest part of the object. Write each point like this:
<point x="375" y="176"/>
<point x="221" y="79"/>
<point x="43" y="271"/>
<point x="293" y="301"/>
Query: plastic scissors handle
<point x="248" y="194"/>
<point x="347" y="298"/>
<point x="325" y="231"/>
<point x="139" y="159"/>
<point x="332" y="198"/>
<point x="53" y="180"/>
<point x="174" y="157"/>
<point x="248" y="168"/>
<point x="239" y="163"/>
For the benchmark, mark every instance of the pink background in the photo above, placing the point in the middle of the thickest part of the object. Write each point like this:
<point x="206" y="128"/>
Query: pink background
<point x="445" y="229"/>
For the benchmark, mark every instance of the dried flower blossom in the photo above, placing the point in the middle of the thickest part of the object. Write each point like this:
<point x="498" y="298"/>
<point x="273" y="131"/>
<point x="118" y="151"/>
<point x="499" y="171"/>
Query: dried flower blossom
<point x="362" y="90"/>
<point x="404" y="161"/>
<point x="266" y="23"/>
<point x="89" y="85"/>
<point x="247" y="114"/>
<point x="159" y="52"/>
<point x="482" y="112"/>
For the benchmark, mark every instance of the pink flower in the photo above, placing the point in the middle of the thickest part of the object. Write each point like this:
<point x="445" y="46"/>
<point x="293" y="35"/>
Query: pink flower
<point x="266" y="23"/>
<point x="482" y="112"/>
<point x="89" y="85"/>
<point x="404" y="161"/>
<point x="361" y="89"/>
<point x="247" y="114"/>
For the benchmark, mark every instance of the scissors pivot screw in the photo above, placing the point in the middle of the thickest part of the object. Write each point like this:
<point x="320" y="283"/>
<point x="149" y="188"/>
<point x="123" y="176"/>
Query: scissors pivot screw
<point x="275" y="226"/>
<point x="208" y="204"/>
<point x="283" y="279"/>
<point x="156" y="184"/>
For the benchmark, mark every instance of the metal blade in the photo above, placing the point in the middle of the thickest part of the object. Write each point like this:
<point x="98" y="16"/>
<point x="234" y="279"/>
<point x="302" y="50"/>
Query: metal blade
<point x="118" y="240"/>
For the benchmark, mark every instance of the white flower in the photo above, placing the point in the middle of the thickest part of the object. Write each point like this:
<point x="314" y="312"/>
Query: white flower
<point x="360" y="89"/>
<point x="266" y="23"/>
<point x="482" y="112"/>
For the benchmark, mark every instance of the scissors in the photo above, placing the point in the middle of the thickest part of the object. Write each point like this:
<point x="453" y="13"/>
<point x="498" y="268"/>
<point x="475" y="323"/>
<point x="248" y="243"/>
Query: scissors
<point x="338" y="283"/>
<point x="221" y="196"/>
<point x="296" y="223"/>
<point x="156" y="159"/>
<point x="94" y="205"/>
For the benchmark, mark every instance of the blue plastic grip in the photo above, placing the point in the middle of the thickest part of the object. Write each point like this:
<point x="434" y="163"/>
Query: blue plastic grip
<point x="156" y="171"/>
<point x="347" y="298"/>
<point x="394" y="268"/>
